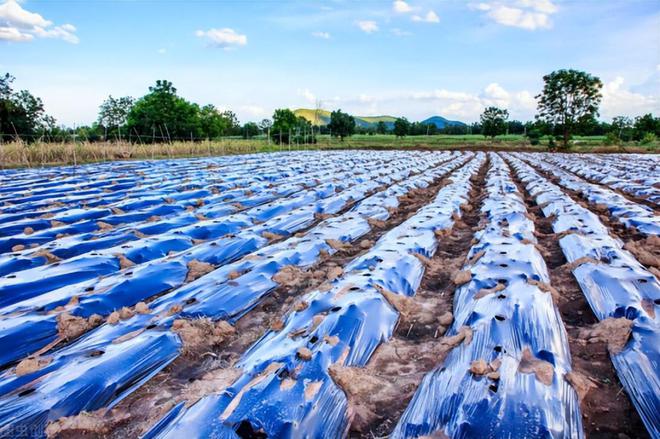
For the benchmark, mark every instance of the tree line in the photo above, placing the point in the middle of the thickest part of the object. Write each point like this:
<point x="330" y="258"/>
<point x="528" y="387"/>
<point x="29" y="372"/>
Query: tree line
<point x="567" y="106"/>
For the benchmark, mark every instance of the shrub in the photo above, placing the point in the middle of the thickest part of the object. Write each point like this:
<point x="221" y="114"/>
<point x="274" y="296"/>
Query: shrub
<point x="648" y="138"/>
<point x="534" y="137"/>
<point x="612" y="139"/>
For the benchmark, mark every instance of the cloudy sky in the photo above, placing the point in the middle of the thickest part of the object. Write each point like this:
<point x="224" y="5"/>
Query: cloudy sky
<point x="414" y="58"/>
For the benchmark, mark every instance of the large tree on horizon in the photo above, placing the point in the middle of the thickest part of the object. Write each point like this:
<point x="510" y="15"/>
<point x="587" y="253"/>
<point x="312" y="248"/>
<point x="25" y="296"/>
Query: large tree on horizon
<point x="113" y="113"/>
<point x="494" y="121"/>
<point x="341" y="124"/>
<point x="569" y="98"/>
<point x="401" y="127"/>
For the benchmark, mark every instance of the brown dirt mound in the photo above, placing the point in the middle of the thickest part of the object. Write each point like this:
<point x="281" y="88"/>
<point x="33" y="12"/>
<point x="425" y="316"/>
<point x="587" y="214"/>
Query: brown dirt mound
<point x="272" y="236"/>
<point x="378" y="393"/>
<point x="202" y="334"/>
<point x="541" y="368"/>
<point x="70" y="327"/>
<point x="462" y="277"/>
<point x="87" y="424"/>
<point x="124" y="262"/>
<point x="103" y="226"/>
<point x="31" y="364"/>
<point x="646" y="251"/>
<point x="614" y="332"/>
<point x="409" y="309"/>
<point x="290" y="276"/>
<point x="50" y="258"/>
<point x="197" y="269"/>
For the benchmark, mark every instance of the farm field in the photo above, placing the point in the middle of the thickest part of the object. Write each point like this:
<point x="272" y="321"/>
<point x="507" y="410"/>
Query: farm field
<point x="348" y="293"/>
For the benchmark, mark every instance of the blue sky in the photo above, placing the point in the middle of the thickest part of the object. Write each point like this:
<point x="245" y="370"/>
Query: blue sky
<point x="368" y="57"/>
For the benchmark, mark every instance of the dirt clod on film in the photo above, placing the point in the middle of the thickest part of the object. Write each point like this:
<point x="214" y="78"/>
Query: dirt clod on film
<point x="86" y="424"/>
<point x="291" y="276"/>
<point x="646" y="250"/>
<point x="197" y="269"/>
<point x="50" y="258"/>
<point x="542" y="369"/>
<point x="199" y="335"/>
<point x="614" y="332"/>
<point x="462" y="277"/>
<point x="71" y="327"/>
<point x="32" y="364"/>
<point x="103" y="226"/>
<point x="124" y="262"/>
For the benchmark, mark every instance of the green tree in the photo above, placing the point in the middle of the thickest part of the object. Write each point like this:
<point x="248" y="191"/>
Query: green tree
<point x="21" y="113"/>
<point x="341" y="124"/>
<point x="212" y="123"/>
<point x="164" y="115"/>
<point x="494" y="122"/>
<point x="401" y="127"/>
<point x="250" y="129"/>
<point x="234" y="126"/>
<point x="381" y="127"/>
<point x="113" y="114"/>
<point x="285" y="123"/>
<point x="569" y="98"/>
<point x="646" y="124"/>
<point x="515" y="127"/>
<point x="265" y="126"/>
<point x="622" y="128"/>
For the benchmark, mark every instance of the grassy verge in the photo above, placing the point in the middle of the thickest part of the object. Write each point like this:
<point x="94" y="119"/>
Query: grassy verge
<point x="18" y="154"/>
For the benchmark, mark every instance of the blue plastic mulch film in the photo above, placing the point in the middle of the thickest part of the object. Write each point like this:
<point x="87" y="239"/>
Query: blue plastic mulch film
<point x="633" y="174"/>
<point x="206" y="238"/>
<point x="240" y="234"/>
<point x="631" y="214"/>
<point x="508" y="381"/>
<point x="108" y="362"/>
<point x="614" y="283"/>
<point x="343" y="324"/>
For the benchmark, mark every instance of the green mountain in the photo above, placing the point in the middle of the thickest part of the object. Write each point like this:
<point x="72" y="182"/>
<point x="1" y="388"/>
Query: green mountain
<point x="441" y="122"/>
<point x="322" y="117"/>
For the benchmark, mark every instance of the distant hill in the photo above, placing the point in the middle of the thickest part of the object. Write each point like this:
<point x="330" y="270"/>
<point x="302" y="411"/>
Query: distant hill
<point x="441" y="122"/>
<point x="322" y="117"/>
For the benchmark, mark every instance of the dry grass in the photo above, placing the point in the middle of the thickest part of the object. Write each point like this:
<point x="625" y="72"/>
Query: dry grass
<point x="19" y="154"/>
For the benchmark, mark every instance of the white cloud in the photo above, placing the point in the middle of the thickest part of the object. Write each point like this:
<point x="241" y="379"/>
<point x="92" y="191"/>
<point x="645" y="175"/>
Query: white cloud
<point x="225" y="38"/>
<point x="401" y="7"/>
<point x="18" y="25"/>
<point x="430" y="17"/>
<point x="618" y="100"/>
<point x="524" y="14"/>
<point x="162" y="51"/>
<point x="12" y="34"/>
<point x="368" y="26"/>
<point x="308" y="95"/>
<point x="468" y="106"/>
<point x="322" y="35"/>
